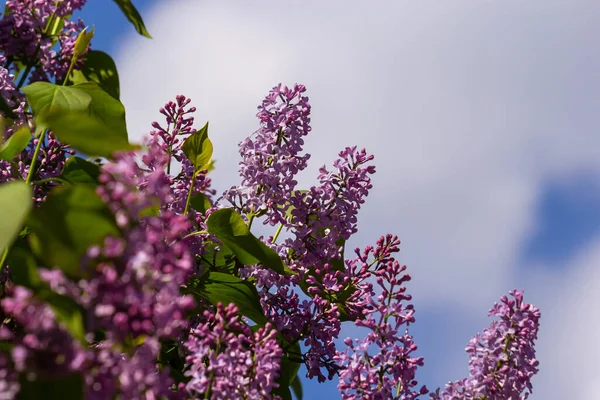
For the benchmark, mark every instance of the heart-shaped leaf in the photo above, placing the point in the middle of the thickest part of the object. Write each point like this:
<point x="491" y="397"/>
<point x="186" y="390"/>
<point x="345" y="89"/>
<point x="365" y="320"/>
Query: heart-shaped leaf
<point x="198" y="149"/>
<point x="83" y="116"/>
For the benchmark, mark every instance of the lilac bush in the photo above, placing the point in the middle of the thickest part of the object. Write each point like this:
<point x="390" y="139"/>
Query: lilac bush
<point x="124" y="275"/>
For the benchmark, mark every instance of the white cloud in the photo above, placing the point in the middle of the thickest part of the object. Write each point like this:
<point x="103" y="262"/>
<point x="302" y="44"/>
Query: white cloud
<point x="568" y="348"/>
<point x="469" y="106"/>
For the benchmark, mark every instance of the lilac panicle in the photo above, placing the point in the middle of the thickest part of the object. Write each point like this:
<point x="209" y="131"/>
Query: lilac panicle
<point x="271" y="157"/>
<point x="226" y="361"/>
<point x="180" y="121"/>
<point x="24" y="35"/>
<point x="42" y="348"/>
<point x="136" y="289"/>
<point x="133" y="376"/>
<point x="327" y="213"/>
<point x="169" y="139"/>
<point x="8" y="90"/>
<point x="501" y="358"/>
<point x="382" y="365"/>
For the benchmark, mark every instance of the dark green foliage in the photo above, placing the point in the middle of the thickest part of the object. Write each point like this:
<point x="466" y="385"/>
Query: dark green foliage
<point x="230" y="228"/>
<point x="71" y="220"/>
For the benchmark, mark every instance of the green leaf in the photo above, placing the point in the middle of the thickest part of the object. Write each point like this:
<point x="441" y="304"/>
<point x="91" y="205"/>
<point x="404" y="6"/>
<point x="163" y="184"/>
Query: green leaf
<point x="83" y="116"/>
<point x="15" y="144"/>
<point x="283" y="392"/>
<point x="24" y="268"/>
<point x="45" y="98"/>
<point x="15" y="203"/>
<point x="297" y="388"/>
<point x="218" y="258"/>
<point x="78" y="170"/>
<point x="82" y="43"/>
<point x="200" y="203"/>
<point x="54" y="27"/>
<point x="133" y="16"/>
<point x="72" y="219"/>
<point x="60" y="387"/>
<point x="290" y="364"/>
<point x="198" y="149"/>
<point x="99" y="67"/>
<point x="6" y="110"/>
<point x="226" y="289"/>
<point x="230" y="228"/>
<point x="171" y="357"/>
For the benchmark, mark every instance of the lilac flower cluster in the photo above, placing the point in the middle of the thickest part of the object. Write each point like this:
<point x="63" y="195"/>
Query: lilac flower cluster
<point x="132" y="375"/>
<point x="42" y="348"/>
<point x="25" y="36"/>
<point x="327" y="213"/>
<point x="169" y="140"/>
<point x="50" y="162"/>
<point x="501" y="358"/>
<point x="8" y="90"/>
<point x="136" y="291"/>
<point x="271" y="157"/>
<point x="229" y="362"/>
<point x="22" y="39"/>
<point x="320" y="219"/>
<point x="179" y="123"/>
<point x="381" y="366"/>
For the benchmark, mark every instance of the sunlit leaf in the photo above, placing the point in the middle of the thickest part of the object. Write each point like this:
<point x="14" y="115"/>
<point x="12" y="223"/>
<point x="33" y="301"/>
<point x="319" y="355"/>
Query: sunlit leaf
<point x="133" y="16"/>
<point x="15" y="203"/>
<point x="83" y="116"/>
<point x="198" y="149"/>
<point x="99" y="67"/>
<point x="15" y="144"/>
<point x="82" y="43"/>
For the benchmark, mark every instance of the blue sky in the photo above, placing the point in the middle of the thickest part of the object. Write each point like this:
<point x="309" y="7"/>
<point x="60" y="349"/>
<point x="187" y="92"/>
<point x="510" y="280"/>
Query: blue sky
<point x="482" y="116"/>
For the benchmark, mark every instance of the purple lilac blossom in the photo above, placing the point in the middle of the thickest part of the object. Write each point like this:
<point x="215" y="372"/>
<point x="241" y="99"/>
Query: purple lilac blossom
<point x="320" y="218"/>
<point x="327" y="213"/>
<point x="136" y="289"/>
<point x="133" y="376"/>
<point x="24" y="35"/>
<point x="271" y="156"/>
<point x="180" y="121"/>
<point x="381" y="365"/>
<point x="44" y="349"/>
<point x="11" y="96"/>
<point x="501" y="358"/>
<point x="227" y="361"/>
<point x="169" y="139"/>
<point x="9" y="378"/>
